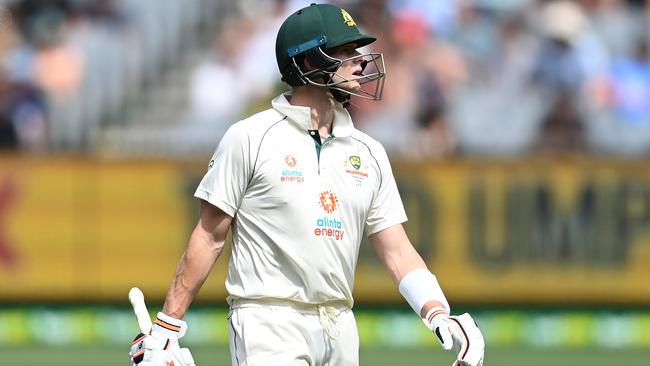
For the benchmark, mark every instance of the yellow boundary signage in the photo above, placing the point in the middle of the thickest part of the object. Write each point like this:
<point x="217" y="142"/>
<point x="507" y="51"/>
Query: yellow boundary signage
<point x="541" y="231"/>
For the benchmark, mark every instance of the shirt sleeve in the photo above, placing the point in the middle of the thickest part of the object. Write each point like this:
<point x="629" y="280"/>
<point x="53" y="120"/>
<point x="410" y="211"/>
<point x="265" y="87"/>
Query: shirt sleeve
<point x="386" y="208"/>
<point x="228" y="172"/>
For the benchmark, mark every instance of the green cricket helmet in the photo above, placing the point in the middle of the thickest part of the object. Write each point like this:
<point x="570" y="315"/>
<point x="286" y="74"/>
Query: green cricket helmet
<point x="308" y="33"/>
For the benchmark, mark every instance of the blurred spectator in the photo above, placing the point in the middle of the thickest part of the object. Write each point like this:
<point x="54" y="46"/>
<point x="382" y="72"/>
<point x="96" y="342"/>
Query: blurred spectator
<point x="439" y="16"/>
<point x="22" y="115"/>
<point x="615" y="23"/>
<point x="258" y="71"/>
<point x="422" y="72"/>
<point x="8" y="134"/>
<point x="58" y="71"/>
<point x="618" y="105"/>
<point x="58" y="68"/>
<point x="570" y="55"/>
<point x="476" y="35"/>
<point x="22" y="104"/>
<point x="484" y="114"/>
<point x="630" y="83"/>
<point x="374" y="18"/>
<point x="218" y="94"/>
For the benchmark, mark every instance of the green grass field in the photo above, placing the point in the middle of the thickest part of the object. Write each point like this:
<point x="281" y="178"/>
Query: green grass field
<point x="217" y="356"/>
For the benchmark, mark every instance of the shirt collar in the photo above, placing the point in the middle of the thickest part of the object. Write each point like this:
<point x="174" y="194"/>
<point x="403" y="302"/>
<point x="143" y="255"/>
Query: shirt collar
<point x="301" y="116"/>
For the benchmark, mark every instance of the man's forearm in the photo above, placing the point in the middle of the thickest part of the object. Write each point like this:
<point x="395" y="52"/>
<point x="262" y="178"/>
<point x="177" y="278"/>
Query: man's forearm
<point x="410" y="263"/>
<point x="194" y="267"/>
<point x="401" y="259"/>
<point x="396" y="252"/>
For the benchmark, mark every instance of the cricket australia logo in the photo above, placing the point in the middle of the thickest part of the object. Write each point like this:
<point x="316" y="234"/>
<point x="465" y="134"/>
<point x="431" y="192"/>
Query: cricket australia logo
<point x="347" y="18"/>
<point x="328" y="201"/>
<point x="357" y="173"/>
<point x="355" y="161"/>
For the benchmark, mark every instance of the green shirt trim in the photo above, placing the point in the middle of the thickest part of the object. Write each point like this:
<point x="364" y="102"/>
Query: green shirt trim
<point x="317" y="141"/>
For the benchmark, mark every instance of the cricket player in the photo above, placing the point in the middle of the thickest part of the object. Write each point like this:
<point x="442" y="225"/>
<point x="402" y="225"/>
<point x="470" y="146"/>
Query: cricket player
<point x="299" y="186"/>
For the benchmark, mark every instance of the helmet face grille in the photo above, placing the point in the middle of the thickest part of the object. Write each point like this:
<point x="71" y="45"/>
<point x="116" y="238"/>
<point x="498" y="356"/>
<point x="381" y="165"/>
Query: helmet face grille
<point x="322" y="61"/>
<point x="371" y="80"/>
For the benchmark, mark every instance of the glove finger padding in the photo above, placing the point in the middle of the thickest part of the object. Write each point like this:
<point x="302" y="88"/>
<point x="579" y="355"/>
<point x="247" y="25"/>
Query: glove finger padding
<point x="442" y="328"/>
<point x="149" y="351"/>
<point x="137" y="349"/>
<point x="468" y="341"/>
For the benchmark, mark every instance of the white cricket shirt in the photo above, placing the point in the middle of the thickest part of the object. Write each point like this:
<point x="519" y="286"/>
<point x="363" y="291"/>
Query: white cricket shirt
<point x="299" y="215"/>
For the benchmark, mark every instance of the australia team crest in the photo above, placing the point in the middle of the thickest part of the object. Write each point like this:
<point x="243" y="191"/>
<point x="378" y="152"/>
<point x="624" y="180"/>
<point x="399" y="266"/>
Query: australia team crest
<point x="356" y="168"/>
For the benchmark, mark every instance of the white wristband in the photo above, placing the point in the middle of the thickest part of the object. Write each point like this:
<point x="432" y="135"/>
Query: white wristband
<point x="419" y="287"/>
<point x="169" y="327"/>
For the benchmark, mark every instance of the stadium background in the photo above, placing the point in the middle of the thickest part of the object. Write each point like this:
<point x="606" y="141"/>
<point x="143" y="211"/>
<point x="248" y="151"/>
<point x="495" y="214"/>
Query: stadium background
<point x="519" y="132"/>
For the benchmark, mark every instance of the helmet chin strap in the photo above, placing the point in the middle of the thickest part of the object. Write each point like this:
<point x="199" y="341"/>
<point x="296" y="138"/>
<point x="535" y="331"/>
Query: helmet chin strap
<point x="340" y="96"/>
<point x="326" y="79"/>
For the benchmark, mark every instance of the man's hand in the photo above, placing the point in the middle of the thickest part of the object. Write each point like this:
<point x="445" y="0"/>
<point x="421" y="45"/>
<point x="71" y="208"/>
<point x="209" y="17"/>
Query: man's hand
<point x="459" y="333"/>
<point x="157" y="344"/>
<point x="148" y="350"/>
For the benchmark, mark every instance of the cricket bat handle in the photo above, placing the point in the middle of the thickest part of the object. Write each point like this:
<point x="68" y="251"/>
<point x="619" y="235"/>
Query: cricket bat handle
<point x="140" y="309"/>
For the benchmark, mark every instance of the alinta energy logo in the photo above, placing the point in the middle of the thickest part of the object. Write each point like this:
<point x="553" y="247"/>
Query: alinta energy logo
<point x="290" y="160"/>
<point x="329" y="226"/>
<point x="328" y="201"/>
<point x="291" y="175"/>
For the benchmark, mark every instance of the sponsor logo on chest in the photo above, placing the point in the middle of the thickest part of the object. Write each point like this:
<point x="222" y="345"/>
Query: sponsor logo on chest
<point x="329" y="226"/>
<point x="290" y="174"/>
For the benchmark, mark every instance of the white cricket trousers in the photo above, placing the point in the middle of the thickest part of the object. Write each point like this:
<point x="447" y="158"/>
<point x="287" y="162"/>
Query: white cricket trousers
<point x="264" y="333"/>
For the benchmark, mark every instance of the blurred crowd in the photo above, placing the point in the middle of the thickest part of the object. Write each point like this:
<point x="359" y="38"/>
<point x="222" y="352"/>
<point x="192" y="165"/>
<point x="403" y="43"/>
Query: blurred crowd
<point x="465" y="77"/>
<point x="70" y="67"/>
<point x="483" y="77"/>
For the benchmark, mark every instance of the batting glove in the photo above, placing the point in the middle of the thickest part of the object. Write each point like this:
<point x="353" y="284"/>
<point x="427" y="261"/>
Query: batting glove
<point x="161" y="348"/>
<point x="459" y="333"/>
